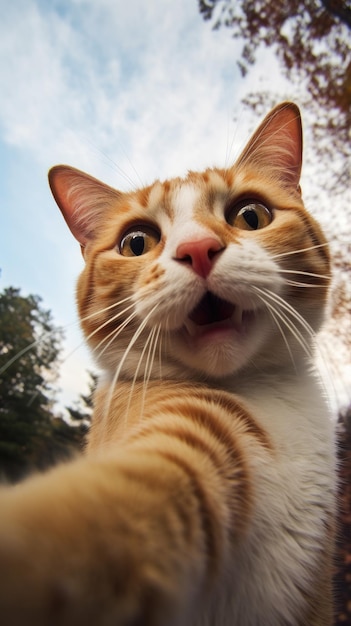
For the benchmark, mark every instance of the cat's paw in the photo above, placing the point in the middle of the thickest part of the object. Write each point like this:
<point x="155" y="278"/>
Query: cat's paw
<point x="54" y="580"/>
<point x="72" y="557"/>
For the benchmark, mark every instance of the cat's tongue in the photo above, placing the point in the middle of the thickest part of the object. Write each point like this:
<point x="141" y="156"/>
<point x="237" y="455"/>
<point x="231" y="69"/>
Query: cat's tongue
<point x="211" y="310"/>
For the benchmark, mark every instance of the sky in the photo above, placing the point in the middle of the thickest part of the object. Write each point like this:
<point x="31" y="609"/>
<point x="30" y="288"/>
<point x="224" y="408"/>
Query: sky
<point x="126" y="91"/>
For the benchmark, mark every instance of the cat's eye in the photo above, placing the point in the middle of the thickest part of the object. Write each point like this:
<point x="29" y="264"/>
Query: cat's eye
<point x="138" y="240"/>
<point x="249" y="215"/>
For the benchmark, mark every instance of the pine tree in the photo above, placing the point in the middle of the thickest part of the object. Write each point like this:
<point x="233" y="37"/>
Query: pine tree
<point x="31" y="437"/>
<point x="82" y="410"/>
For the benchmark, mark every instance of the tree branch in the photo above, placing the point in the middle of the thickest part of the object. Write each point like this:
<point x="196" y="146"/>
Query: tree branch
<point x="339" y="8"/>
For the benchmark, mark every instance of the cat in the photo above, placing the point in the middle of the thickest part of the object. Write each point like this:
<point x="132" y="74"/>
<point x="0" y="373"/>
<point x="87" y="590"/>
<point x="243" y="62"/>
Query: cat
<point x="206" y="494"/>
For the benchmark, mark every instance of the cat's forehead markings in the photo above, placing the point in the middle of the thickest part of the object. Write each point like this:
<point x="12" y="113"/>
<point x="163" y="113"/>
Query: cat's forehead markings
<point x="218" y="181"/>
<point x="142" y="197"/>
<point x="185" y="197"/>
<point x="157" y="195"/>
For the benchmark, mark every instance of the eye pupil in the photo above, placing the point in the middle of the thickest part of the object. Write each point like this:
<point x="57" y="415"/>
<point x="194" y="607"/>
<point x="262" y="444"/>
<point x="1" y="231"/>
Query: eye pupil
<point x="137" y="244"/>
<point x="251" y="218"/>
<point x="249" y="215"/>
<point x="138" y="240"/>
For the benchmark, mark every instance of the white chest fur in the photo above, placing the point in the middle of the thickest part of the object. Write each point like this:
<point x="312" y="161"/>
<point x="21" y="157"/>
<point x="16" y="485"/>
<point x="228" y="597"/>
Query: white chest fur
<point x="293" y="500"/>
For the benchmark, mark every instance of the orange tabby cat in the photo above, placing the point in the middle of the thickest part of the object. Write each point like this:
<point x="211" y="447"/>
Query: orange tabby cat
<point x="206" y="494"/>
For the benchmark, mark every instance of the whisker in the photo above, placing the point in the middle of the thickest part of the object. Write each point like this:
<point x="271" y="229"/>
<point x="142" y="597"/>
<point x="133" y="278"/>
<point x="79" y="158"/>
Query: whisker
<point x="45" y="336"/>
<point x="285" y="305"/>
<point x="110" y="337"/>
<point x="141" y="182"/>
<point x="160" y="356"/>
<point x="96" y="330"/>
<point x="150" y="359"/>
<point x="156" y="338"/>
<point x="112" y="164"/>
<point x="229" y="146"/>
<point x="284" y="254"/>
<point x="122" y="361"/>
<point x="107" y="308"/>
<point x="329" y="375"/>
<point x="318" y="349"/>
<point x="136" y="375"/>
<point x="61" y="329"/>
<point x="303" y="273"/>
<point x="167" y="334"/>
<point x="293" y="329"/>
<point x="273" y="314"/>
<point x="295" y="283"/>
<point x="23" y="352"/>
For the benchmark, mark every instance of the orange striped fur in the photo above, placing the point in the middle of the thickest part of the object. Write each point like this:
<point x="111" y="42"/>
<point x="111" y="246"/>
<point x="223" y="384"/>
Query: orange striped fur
<point x="206" y="493"/>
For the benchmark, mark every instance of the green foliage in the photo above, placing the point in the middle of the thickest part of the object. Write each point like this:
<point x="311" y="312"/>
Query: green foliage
<point x="30" y="436"/>
<point x="83" y="408"/>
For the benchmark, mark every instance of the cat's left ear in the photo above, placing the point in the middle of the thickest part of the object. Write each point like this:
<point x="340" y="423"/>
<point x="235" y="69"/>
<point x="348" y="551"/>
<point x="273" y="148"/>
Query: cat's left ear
<point x="82" y="199"/>
<point x="276" y="146"/>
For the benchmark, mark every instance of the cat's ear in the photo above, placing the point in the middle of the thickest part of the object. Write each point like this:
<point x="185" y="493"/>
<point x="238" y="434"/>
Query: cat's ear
<point x="276" y="146"/>
<point x="82" y="199"/>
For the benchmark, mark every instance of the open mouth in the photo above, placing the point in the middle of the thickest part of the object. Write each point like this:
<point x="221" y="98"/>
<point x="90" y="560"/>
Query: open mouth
<point x="214" y="313"/>
<point x="211" y="309"/>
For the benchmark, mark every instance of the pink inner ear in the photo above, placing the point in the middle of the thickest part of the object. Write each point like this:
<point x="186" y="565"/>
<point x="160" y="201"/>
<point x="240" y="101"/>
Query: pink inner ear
<point x="289" y="133"/>
<point x="82" y="199"/>
<point x="277" y="145"/>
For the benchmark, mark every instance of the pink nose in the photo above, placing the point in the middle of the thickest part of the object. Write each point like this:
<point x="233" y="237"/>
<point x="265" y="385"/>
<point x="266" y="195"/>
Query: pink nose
<point x="199" y="254"/>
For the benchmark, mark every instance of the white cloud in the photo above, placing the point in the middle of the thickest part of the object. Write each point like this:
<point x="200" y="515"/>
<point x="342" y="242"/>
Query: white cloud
<point x="143" y="88"/>
<point x="136" y="78"/>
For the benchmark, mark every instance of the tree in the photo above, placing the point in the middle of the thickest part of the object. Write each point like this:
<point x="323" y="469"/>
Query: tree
<point x="30" y="435"/>
<point x="82" y="410"/>
<point x="311" y="38"/>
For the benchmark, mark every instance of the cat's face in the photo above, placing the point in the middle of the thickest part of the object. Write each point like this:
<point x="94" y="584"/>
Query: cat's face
<point x="210" y="273"/>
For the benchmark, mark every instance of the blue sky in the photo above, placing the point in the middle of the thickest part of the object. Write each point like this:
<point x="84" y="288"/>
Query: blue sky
<point x="127" y="91"/>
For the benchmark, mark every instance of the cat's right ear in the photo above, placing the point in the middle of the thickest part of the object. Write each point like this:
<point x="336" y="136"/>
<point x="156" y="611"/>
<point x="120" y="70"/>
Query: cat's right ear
<point x="82" y="199"/>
